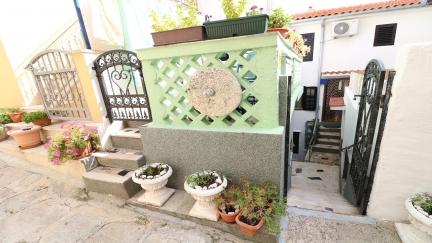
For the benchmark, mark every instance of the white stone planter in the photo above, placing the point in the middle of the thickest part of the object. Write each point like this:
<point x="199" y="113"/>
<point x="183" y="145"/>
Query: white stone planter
<point x="204" y="207"/>
<point x="419" y="220"/>
<point x="156" y="193"/>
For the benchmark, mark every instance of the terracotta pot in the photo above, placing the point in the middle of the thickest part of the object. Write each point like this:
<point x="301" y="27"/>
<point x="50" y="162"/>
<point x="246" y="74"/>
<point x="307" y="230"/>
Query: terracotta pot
<point x="16" y="116"/>
<point x="27" y="137"/>
<point x="85" y="152"/>
<point x="42" y="122"/>
<point x="249" y="229"/>
<point x="229" y="218"/>
<point x="168" y="37"/>
<point x="281" y="31"/>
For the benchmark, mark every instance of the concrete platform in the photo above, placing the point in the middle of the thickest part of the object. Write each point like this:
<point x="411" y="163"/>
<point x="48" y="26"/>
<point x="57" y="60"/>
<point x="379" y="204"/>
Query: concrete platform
<point x="123" y="158"/>
<point x="115" y="181"/>
<point x="179" y="205"/>
<point x="127" y="138"/>
<point x="316" y="187"/>
<point x="410" y="234"/>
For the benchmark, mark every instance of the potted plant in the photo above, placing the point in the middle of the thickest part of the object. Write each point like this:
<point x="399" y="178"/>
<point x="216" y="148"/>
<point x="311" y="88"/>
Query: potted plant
<point x="153" y="179"/>
<point x="185" y="29"/>
<point x="16" y="115"/>
<point x="76" y="142"/>
<point x="27" y="137"/>
<point x="204" y="186"/>
<point x="262" y="205"/>
<point x="234" y="25"/>
<point x="420" y="211"/>
<point x="229" y="203"/>
<point x="4" y="119"/>
<point x="278" y="21"/>
<point x="39" y="118"/>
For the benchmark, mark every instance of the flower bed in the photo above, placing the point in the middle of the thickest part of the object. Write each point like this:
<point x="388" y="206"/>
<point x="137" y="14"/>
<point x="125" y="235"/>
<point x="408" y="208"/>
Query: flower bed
<point x="419" y="209"/>
<point x="77" y="141"/>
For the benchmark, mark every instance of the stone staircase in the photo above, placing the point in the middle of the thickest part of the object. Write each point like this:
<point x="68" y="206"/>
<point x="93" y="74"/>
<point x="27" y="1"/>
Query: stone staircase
<point x="326" y="150"/>
<point x="113" y="174"/>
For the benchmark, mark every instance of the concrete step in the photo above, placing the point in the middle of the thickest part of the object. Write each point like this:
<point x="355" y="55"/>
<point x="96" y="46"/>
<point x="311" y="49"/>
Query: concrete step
<point x="330" y="141"/>
<point x="127" y="138"/>
<point x="110" y="180"/>
<point x="332" y="135"/>
<point x="123" y="158"/>
<point x="326" y="148"/>
<point x="328" y="129"/>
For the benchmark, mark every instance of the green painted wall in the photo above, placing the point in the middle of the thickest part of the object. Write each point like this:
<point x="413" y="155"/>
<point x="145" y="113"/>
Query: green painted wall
<point x="168" y="69"/>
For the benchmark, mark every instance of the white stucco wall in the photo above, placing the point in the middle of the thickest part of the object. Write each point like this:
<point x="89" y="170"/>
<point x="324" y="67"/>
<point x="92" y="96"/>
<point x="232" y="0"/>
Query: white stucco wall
<point x="405" y="162"/>
<point x="298" y="124"/>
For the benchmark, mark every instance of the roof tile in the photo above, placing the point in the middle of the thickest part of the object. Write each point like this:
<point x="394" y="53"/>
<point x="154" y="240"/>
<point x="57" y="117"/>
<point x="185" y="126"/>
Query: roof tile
<point x="356" y="8"/>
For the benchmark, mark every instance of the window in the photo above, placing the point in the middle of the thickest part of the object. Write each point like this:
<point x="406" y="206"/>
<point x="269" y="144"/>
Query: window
<point x="296" y="137"/>
<point x="385" y="35"/>
<point x="309" y="41"/>
<point x="309" y="98"/>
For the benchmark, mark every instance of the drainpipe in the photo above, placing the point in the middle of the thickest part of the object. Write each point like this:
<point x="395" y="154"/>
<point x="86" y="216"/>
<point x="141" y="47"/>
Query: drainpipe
<point x="123" y="20"/>
<point x="81" y="23"/>
<point x="320" y="61"/>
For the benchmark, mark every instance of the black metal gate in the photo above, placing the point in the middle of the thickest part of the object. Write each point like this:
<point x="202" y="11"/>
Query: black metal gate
<point x="372" y="114"/>
<point x="120" y="77"/>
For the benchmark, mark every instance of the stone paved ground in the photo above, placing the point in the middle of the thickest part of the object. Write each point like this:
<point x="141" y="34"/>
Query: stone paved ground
<point x="35" y="208"/>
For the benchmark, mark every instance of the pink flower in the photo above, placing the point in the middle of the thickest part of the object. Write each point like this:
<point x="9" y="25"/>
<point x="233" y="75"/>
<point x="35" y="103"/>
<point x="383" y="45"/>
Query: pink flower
<point x="67" y="133"/>
<point x="57" y="153"/>
<point x="46" y="145"/>
<point x="75" y="151"/>
<point x="56" y="161"/>
<point x="254" y="7"/>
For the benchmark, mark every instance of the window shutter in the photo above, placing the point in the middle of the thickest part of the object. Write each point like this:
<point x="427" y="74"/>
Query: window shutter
<point x="385" y="35"/>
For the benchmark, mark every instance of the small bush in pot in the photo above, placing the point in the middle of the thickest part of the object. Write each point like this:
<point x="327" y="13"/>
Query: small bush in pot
<point x="15" y="114"/>
<point x="4" y="117"/>
<point x="204" y="186"/>
<point x="153" y="178"/>
<point x="278" y="21"/>
<point x="261" y="205"/>
<point x="229" y="203"/>
<point x="39" y="118"/>
<point x="185" y="28"/>
<point x="235" y="25"/>
<point x="419" y="209"/>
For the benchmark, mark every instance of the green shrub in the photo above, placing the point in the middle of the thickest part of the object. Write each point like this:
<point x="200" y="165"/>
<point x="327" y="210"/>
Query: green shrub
<point x="186" y="17"/>
<point x="424" y="201"/>
<point x="279" y="19"/>
<point x="33" y="116"/>
<point x="234" y="8"/>
<point x="5" y="118"/>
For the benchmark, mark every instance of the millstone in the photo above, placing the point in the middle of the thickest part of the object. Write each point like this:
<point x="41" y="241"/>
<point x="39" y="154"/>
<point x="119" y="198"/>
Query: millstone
<point x="214" y="91"/>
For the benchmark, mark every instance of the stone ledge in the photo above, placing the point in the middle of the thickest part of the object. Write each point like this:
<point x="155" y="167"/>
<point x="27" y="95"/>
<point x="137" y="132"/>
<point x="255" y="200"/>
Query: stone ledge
<point x="179" y="205"/>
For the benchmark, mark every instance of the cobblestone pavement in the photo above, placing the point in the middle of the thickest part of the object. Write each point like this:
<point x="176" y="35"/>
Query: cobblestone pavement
<point x="35" y="208"/>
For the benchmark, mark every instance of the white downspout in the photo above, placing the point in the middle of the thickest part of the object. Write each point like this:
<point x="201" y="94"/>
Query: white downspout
<point x="318" y="111"/>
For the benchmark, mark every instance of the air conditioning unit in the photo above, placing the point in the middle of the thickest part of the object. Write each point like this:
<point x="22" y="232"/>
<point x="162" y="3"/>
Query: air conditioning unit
<point x="344" y="28"/>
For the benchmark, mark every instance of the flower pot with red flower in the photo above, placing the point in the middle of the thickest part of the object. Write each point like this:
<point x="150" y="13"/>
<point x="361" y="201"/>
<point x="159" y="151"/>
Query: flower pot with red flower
<point x="279" y="21"/>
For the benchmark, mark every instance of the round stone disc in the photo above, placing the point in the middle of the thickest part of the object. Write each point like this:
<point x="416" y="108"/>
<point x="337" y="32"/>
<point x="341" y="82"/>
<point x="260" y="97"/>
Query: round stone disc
<point x="214" y="91"/>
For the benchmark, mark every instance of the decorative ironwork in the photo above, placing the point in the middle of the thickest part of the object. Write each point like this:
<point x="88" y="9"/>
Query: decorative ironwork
<point x="120" y="77"/>
<point x="58" y="84"/>
<point x="366" y="123"/>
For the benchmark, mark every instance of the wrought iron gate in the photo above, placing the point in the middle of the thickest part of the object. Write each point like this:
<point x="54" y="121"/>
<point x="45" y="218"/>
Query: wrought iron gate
<point x="367" y="137"/>
<point x="122" y="85"/>
<point x="58" y="85"/>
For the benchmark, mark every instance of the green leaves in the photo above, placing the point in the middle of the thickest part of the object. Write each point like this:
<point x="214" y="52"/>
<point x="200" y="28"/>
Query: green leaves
<point x="187" y="16"/>
<point x="234" y="8"/>
<point x="32" y="116"/>
<point x="279" y="19"/>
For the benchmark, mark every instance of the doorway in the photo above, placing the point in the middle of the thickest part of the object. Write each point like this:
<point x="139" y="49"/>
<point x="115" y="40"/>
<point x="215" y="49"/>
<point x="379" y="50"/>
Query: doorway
<point x="333" y="89"/>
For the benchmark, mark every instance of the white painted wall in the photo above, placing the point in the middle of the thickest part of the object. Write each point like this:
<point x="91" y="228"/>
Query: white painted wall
<point x="26" y="25"/>
<point x="405" y="162"/>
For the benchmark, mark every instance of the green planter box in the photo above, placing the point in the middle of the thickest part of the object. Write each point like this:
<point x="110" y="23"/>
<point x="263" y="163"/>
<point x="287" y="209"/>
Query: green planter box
<point x="236" y="27"/>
